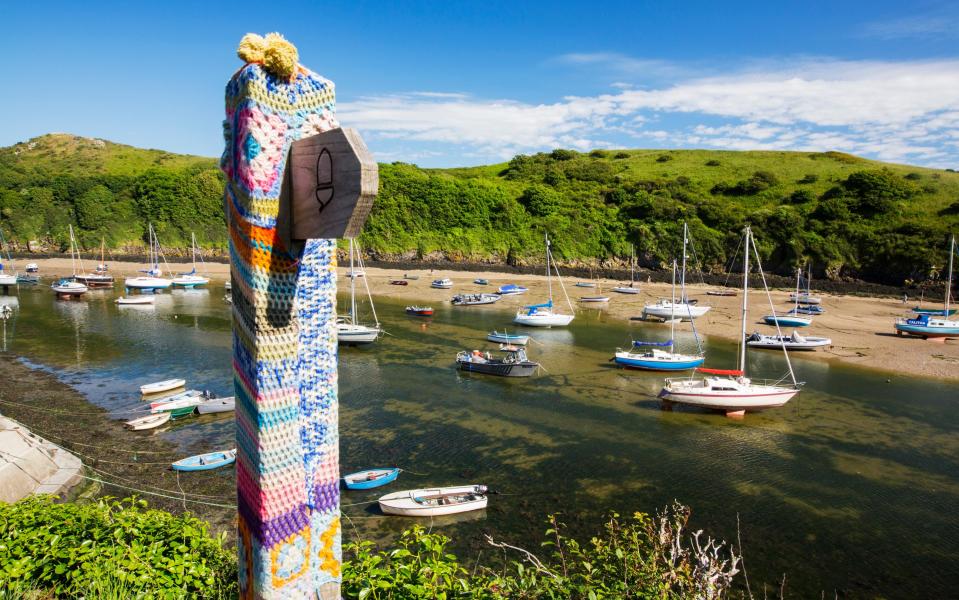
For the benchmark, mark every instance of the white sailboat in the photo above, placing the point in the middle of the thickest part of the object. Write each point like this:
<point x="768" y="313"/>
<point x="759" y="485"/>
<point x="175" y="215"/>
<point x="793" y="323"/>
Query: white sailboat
<point x="542" y="315"/>
<point x="631" y="288"/>
<point x="191" y="279"/>
<point x="153" y="280"/>
<point x="68" y="286"/>
<point x="7" y="277"/>
<point x="348" y="330"/>
<point x="99" y="278"/>
<point x="670" y="309"/>
<point x="934" y="324"/>
<point x="730" y="390"/>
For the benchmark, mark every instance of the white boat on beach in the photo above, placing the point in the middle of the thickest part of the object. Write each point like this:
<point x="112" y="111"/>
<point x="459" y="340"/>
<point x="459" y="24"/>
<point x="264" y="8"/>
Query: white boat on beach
<point x="631" y="288"/>
<point x="159" y="387"/>
<point x="685" y="309"/>
<point x="348" y="330"/>
<point x="790" y="342"/>
<point x="148" y="422"/>
<point x="542" y="315"/>
<point x="153" y="278"/>
<point x="433" y="502"/>
<point x="217" y="405"/>
<point x="191" y="279"/>
<point x="508" y="338"/>
<point x="442" y="284"/>
<point x="730" y="390"/>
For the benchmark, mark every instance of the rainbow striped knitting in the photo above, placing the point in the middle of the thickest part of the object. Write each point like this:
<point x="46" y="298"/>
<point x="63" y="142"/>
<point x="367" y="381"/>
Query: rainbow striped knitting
<point x="284" y="336"/>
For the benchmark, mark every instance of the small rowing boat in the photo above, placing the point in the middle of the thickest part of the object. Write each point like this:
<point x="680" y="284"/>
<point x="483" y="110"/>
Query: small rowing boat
<point x="789" y="342"/>
<point x="594" y="299"/>
<point x="508" y="338"/>
<point x="148" y="422"/>
<point x="481" y="281"/>
<point x="420" y="311"/>
<point x="371" y="478"/>
<point x="399" y="282"/>
<point x="721" y="292"/>
<point x="434" y="502"/>
<point x="162" y="386"/>
<point x="588" y="284"/>
<point x="206" y="462"/>
<point x="124" y="301"/>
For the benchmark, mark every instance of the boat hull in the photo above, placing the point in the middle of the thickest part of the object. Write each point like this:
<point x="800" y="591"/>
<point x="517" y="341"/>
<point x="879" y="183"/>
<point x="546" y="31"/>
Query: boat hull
<point x="735" y="400"/>
<point x="148" y="422"/>
<point x="403" y="503"/>
<point x="147" y="283"/>
<point x="785" y="321"/>
<point x="95" y="281"/>
<point x="685" y="312"/>
<point x="356" y="334"/>
<point x="217" y="405"/>
<point x="542" y="320"/>
<point x="500" y="369"/>
<point x="206" y="462"/>
<point x="595" y="299"/>
<point x="162" y="386"/>
<point x="626" y="290"/>
<point x="926" y="331"/>
<point x="502" y="338"/>
<point x="633" y="361"/>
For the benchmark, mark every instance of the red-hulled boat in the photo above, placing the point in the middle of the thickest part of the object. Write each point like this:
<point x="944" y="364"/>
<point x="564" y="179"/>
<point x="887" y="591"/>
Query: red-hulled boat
<point x="420" y="311"/>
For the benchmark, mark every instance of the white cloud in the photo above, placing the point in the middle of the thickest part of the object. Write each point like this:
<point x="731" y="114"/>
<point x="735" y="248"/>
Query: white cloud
<point x="906" y="111"/>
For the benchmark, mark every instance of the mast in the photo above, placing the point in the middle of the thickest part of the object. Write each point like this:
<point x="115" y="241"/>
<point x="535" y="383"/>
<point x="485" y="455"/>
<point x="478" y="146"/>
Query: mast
<point x="952" y="251"/>
<point x="682" y="285"/>
<point x="549" y="283"/>
<point x="352" y="287"/>
<point x="742" y="335"/>
<point x="193" y="249"/>
<point x="632" y="261"/>
<point x="672" y="321"/>
<point x="73" y="262"/>
<point x="798" y="277"/>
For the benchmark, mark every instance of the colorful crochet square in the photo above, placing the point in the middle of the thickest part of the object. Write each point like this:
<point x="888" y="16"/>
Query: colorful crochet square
<point x="284" y="346"/>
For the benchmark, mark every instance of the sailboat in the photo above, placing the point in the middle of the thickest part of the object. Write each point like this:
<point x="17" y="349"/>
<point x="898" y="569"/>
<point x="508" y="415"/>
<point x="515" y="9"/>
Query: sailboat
<point x="684" y="309"/>
<point x="647" y="355"/>
<point x="153" y="280"/>
<point x="927" y="325"/>
<point x="6" y="277"/>
<point x="542" y="315"/>
<point x="191" y="279"/>
<point x="67" y="286"/>
<point x="730" y="390"/>
<point x="97" y="279"/>
<point x="348" y="330"/>
<point x="805" y="296"/>
<point x="793" y="317"/>
<point x="630" y="289"/>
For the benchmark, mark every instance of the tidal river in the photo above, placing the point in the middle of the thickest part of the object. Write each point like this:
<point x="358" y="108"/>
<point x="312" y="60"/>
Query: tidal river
<point x="853" y="487"/>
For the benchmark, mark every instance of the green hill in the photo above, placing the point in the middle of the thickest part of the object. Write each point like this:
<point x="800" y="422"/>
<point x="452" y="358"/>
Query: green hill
<point x="850" y="216"/>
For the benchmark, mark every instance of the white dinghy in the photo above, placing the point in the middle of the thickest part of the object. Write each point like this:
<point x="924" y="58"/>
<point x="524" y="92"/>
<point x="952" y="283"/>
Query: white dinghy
<point x="433" y="502"/>
<point x="159" y="387"/>
<point x="148" y="422"/>
<point x="790" y="342"/>
<point x="217" y="405"/>
<point x="130" y="300"/>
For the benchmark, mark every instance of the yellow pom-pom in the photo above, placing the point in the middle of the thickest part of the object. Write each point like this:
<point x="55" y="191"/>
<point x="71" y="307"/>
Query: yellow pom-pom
<point x="280" y="57"/>
<point x="251" y="48"/>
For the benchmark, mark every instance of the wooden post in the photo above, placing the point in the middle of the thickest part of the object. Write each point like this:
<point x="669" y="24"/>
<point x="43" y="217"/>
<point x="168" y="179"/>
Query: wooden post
<point x="283" y="227"/>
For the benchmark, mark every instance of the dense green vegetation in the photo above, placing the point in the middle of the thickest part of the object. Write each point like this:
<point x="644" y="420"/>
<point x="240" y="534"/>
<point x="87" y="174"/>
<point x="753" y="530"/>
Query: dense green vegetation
<point x="124" y="550"/>
<point x="850" y="216"/>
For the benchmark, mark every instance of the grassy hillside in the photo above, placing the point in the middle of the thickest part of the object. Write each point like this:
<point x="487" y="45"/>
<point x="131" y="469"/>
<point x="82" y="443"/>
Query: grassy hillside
<point x="849" y="216"/>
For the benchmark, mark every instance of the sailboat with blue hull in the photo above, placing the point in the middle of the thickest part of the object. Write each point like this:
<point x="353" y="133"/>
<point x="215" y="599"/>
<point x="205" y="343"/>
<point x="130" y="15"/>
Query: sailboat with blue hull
<point x="931" y="326"/>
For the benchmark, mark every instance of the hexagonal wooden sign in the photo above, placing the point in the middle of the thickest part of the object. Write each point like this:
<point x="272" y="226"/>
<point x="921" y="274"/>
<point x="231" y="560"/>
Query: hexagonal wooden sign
<point x="330" y="183"/>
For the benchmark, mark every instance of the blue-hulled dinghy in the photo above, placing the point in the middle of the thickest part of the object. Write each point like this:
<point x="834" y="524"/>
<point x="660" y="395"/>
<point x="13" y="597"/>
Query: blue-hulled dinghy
<point x="371" y="478"/>
<point x="206" y="462"/>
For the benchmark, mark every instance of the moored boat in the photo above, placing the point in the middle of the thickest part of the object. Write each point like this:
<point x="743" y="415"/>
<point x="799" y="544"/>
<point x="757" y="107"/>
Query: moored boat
<point x="420" y="311"/>
<point x="631" y="288"/>
<point x="148" y="422"/>
<point x="511" y="289"/>
<point x="585" y="284"/>
<point x="432" y="502"/>
<point x="925" y="326"/>
<point x="153" y="277"/>
<point x="442" y="284"/>
<point x="481" y="281"/>
<point x="159" y="387"/>
<point x="474" y="299"/>
<point x="124" y="301"/>
<point x="216" y="405"/>
<point x="514" y="364"/>
<point x="787" y="320"/>
<point x="542" y="315"/>
<point x="370" y="478"/>
<point x="32" y="268"/>
<point x="725" y="293"/>
<point x="652" y="358"/>
<point x="594" y="299"/>
<point x="399" y="282"/>
<point x="508" y="338"/>
<point x="69" y="288"/>
<point x="206" y="462"/>
<point x="789" y="342"/>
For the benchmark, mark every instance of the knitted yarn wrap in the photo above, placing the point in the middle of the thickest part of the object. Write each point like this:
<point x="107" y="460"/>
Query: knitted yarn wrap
<point x="284" y="336"/>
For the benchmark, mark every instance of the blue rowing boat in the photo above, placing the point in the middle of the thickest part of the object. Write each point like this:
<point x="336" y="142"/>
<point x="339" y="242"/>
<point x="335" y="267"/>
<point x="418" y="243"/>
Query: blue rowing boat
<point x="371" y="478"/>
<point x="787" y="320"/>
<point x="206" y="462"/>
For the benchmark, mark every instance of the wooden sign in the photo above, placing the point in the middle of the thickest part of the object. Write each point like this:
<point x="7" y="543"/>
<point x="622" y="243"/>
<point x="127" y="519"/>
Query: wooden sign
<point x="331" y="182"/>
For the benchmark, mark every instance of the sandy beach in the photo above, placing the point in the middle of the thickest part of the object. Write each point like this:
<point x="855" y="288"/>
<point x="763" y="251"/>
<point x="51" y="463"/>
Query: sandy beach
<point x="861" y="328"/>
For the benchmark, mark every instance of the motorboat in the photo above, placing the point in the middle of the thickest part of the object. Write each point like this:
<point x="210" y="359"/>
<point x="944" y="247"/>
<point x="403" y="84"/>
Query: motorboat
<point x="789" y="342"/>
<point x="442" y="284"/>
<point x="511" y="289"/>
<point x="475" y="299"/>
<point x="434" y="502"/>
<point x="513" y="364"/>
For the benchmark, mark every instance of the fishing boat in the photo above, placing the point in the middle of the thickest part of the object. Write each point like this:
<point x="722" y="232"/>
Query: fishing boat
<point x="153" y="279"/>
<point x="434" y="502"/>
<point x="511" y="289"/>
<point x="349" y="330"/>
<point x="442" y="284"/>
<point x="216" y="405"/>
<point x="650" y="355"/>
<point x="32" y="268"/>
<point x="508" y="338"/>
<point x="7" y="278"/>
<point x="128" y="300"/>
<point x="191" y="279"/>
<point x="148" y="422"/>
<point x="513" y="364"/>
<point x="481" y="281"/>
<point x="542" y="315"/>
<point x="159" y="387"/>
<point x="399" y="282"/>
<point x="100" y="278"/>
<point x="789" y="342"/>
<point x="206" y="462"/>
<point x="420" y="311"/>
<point x="631" y="288"/>
<point x="929" y="326"/>
<point x="370" y="478"/>
<point x="669" y="309"/>
<point x="730" y="390"/>
<point x="793" y="318"/>
<point x="68" y="288"/>
<point x="475" y="299"/>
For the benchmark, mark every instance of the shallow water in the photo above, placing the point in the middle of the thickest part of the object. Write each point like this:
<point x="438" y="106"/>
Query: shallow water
<point x="852" y="487"/>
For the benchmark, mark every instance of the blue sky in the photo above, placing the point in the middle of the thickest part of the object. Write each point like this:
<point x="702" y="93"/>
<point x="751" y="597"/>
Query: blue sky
<point x="448" y="84"/>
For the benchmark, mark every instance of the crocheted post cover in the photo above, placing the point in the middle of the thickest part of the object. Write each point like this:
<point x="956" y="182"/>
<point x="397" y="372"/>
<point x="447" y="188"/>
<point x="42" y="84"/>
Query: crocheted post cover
<point x="284" y="339"/>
